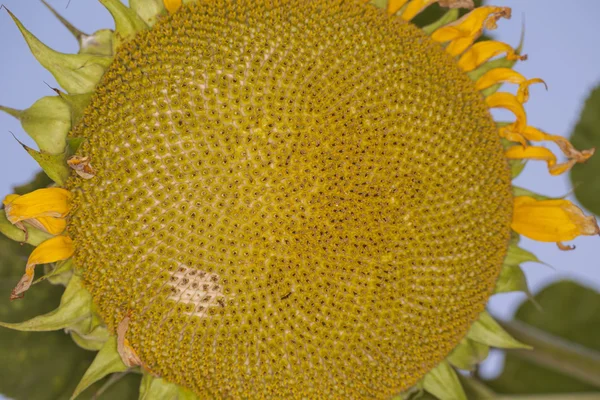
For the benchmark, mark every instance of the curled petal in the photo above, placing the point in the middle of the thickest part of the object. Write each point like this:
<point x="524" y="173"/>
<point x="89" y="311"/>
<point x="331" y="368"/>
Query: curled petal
<point x="541" y="154"/>
<point x="54" y="249"/>
<point x="481" y="52"/>
<point x="395" y="5"/>
<point x="536" y="135"/>
<point x="508" y="132"/>
<point x="551" y="220"/>
<point x="511" y="103"/>
<point x="50" y="202"/>
<point x="172" y="5"/>
<point x="523" y="92"/>
<point x="462" y="33"/>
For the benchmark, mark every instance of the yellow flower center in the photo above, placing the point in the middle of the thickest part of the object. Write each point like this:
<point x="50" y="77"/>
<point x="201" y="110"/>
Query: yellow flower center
<point x="291" y="199"/>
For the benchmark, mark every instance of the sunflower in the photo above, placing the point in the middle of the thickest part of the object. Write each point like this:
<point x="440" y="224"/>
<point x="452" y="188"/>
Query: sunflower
<point x="285" y="198"/>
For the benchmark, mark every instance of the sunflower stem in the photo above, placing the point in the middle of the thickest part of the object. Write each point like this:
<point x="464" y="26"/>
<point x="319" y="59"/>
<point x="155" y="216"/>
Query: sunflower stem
<point x="553" y="352"/>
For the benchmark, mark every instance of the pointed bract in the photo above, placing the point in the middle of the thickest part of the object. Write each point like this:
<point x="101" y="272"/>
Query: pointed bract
<point x="107" y="361"/>
<point x="487" y="331"/>
<point x="75" y="304"/>
<point x="54" y="165"/>
<point x="443" y="383"/>
<point x="148" y="10"/>
<point x="127" y="22"/>
<point x="76" y="73"/>
<point x="468" y="354"/>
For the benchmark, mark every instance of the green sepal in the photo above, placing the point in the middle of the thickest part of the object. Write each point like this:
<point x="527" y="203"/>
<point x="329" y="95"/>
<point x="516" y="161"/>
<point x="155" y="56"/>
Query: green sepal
<point x="74" y="143"/>
<point x="475" y="389"/>
<point x="107" y="361"/>
<point x="443" y="383"/>
<point x="54" y="165"/>
<point x="47" y="122"/>
<point x="34" y="236"/>
<point x="58" y="274"/>
<point x="93" y="340"/>
<point x="380" y="3"/>
<point x="517" y="256"/>
<point x="100" y="43"/>
<point x="148" y="10"/>
<point x="468" y="354"/>
<point x="450" y="16"/>
<point x="77" y="104"/>
<point x="516" y="167"/>
<point x="75" y="305"/>
<point x="511" y="279"/>
<point x="154" y="388"/>
<point x="76" y="73"/>
<point x="519" y="191"/>
<point x="487" y="331"/>
<point x="127" y="21"/>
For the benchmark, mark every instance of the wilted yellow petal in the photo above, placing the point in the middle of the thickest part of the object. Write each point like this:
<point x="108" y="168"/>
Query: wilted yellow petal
<point x="463" y="32"/>
<point x="536" y="135"/>
<point x="54" y="249"/>
<point x="551" y="220"/>
<point x="542" y="154"/>
<point x="50" y="202"/>
<point x="394" y="5"/>
<point x="481" y="52"/>
<point x="509" y="102"/>
<point x="172" y="5"/>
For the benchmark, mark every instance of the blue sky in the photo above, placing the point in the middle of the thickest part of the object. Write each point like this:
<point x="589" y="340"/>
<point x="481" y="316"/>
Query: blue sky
<point x="561" y="41"/>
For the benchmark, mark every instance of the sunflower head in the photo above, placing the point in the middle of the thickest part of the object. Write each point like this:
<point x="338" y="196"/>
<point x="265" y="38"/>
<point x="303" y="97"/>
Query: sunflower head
<point x="289" y="199"/>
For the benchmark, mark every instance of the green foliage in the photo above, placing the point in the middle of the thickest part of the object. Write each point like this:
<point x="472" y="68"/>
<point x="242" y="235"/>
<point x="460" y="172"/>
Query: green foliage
<point x="566" y="331"/>
<point x="586" y="177"/>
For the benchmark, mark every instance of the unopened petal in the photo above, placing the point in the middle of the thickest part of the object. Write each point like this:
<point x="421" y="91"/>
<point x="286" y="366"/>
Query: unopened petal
<point x="172" y="5"/>
<point x="54" y="249"/>
<point x="551" y="220"/>
<point x="481" y="52"/>
<point x="50" y="202"/>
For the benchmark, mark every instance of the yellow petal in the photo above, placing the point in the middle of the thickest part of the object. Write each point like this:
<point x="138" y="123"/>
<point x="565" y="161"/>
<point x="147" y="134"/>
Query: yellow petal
<point x="415" y="7"/>
<point x="508" y="132"/>
<point x="54" y="249"/>
<point x="463" y="32"/>
<point x="52" y="225"/>
<point x="551" y="220"/>
<point x="172" y="5"/>
<point x="50" y="202"/>
<point x="511" y="103"/>
<point x="481" y="52"/>
<point x="541" y="154"/>
<point x="10" y="198"/>
<point x="536" y="135"/>
<point x="394" y="5"/>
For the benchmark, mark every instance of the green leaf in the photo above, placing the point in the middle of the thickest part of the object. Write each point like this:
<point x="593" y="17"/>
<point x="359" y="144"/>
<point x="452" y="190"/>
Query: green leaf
<point x="564" y="334"/>
<point x="107" y="361"/>
<point x="586" y="135"/>
<point x="76" y="73"/>
<point x="127" y="21"/>
<point x="148" y="10"/>
<point x="443" y="383"/>
<point x="487" y="331"/>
